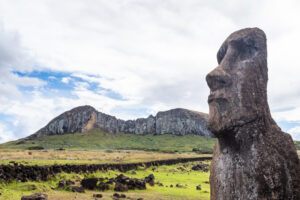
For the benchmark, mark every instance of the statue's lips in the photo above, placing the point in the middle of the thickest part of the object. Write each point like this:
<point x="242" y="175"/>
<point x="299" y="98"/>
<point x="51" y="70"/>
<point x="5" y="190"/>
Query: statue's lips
<point x="214" y="98"/>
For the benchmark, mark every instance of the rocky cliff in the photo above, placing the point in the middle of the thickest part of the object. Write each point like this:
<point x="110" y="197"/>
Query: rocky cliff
<point x="84" y="118"/>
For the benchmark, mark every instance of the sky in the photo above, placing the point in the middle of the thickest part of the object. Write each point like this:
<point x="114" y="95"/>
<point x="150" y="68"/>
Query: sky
<point x="133" y="58"/>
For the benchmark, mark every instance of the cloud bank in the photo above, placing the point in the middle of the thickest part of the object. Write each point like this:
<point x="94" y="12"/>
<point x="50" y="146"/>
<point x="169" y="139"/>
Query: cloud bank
<point x="133" y="58"/>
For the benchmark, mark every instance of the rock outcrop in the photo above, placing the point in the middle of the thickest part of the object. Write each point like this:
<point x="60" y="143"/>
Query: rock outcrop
<point x="253" y="158"/>
<point x="84" y="118"/>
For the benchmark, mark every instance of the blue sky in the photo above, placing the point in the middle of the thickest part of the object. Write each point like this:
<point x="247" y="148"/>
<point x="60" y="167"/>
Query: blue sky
<point x="133" y="58"/>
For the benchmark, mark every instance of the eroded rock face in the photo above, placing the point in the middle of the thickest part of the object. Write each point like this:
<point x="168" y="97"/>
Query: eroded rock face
<point x="253" y="158"/>
<point x="84" y="118"/>
<point x="76" y="120"/>
<point x="181" y="122"/>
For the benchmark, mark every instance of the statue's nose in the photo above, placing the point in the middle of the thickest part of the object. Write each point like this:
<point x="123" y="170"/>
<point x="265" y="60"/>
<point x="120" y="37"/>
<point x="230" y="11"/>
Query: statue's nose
<point x="218" y="79"/>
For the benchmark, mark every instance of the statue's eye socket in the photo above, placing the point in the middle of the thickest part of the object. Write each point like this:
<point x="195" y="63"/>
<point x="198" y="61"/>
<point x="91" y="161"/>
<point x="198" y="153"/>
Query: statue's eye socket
<point x="221" y="53"/>
<point x="246" y="49"/>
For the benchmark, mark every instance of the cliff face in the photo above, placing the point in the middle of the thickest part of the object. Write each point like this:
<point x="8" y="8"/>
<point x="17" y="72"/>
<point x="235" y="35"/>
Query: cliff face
<point x="84" y="118"/>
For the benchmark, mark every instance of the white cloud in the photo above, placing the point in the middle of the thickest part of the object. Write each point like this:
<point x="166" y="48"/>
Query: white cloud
<point x="66" y="80"/>
<point x="295" y="132"/>
<point x="155" y="54"/>
<point x="6" y="134"/>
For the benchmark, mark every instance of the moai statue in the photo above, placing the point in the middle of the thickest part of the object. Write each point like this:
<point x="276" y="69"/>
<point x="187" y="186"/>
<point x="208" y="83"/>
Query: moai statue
<point x="253" y="158"/>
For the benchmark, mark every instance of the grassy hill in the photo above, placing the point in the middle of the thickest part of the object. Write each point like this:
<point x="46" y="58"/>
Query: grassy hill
<point x="98" y="140"/>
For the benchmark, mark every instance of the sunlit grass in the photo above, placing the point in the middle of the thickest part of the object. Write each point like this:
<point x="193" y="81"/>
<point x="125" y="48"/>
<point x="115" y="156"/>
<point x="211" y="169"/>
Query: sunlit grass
<point x="167" y="175"/>
<point x="95" y="140"/>
<point x="51" y="157"/>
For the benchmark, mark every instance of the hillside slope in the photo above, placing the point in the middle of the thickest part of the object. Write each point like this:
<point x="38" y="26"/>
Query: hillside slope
<point x="99" y="140"/>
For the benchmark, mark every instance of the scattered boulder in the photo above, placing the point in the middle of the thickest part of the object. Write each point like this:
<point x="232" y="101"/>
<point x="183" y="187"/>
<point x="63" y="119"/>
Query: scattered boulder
<point x="179" y="186"/>
<point x="89" y="183"/>
<point x="37" y="196"/>
<point x="117" y="195"/>
<point x="200" y="167"/>
<point x="150" y="179"/>
<point x="69" y="182"/>
<point x="198" y="187"/>
<point x="78" y="189"/>
<point x="102" y="186"/>
<point x="97" y="195"/>
<point x="121" y="187"/>
<point x="61" y="184"/>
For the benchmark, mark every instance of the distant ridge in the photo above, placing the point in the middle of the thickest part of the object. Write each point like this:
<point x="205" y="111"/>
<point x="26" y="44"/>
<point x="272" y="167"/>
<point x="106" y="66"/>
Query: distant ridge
<point x="177" y="121"/>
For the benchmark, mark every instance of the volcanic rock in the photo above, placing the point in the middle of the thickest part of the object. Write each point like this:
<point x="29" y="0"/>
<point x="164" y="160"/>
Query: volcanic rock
<point x="103" y="186"/>
<point x="120" y="187"/>
<point x="253" y="158"/>
<point x="61" y="184"/>
<point x="117" y="195"/>
<point x="37" y="196"/>
<point x="97" y="195"/>
<point x="198" y="187"/>
<point x="89" y="183"/>
<point x="150" y="179"/>
<point x="77" y="189"/>
<point x="84" y="118"/>
<point x="200" y="167"/>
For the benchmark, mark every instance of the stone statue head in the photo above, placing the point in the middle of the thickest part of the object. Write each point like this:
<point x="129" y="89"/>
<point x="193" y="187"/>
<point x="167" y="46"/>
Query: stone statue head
<point x="238" y="85"/>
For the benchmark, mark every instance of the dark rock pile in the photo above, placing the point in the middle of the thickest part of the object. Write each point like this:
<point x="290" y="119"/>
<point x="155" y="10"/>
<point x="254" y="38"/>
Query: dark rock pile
<point x="121" y="183"/>
<point x="201" y="167"/>
<point x="25" y="173"/>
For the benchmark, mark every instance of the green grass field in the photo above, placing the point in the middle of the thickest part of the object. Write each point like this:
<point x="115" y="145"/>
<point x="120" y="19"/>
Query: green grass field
<point x="97" y="140"/>
<point x="101" y="147"/>
<point x="51" y="157"/>
<point x="167" y="175"/>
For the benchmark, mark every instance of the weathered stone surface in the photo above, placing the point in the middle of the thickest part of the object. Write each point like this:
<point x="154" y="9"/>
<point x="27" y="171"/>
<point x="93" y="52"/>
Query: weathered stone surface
<point x="77" y="189"/>
<point x="84" y="118"/>
<point x="150" y="179"/>
<point x="97" y="195"/>
<point x="37" y="196"/>
<point x="89" y="183"/>
<point x="72" y="121"/>
<point x="253" y="158"/>
<point x="181" y="122"/>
